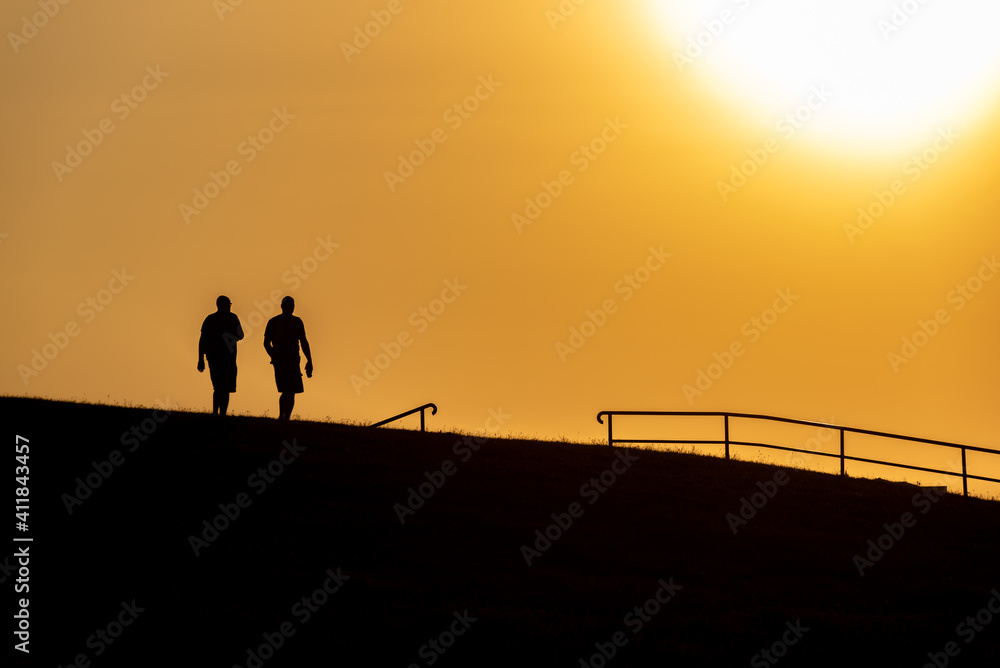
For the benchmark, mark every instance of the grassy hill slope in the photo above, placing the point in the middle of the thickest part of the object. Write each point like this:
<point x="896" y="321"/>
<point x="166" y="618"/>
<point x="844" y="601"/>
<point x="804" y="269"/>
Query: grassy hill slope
<point x="451" y="586"/>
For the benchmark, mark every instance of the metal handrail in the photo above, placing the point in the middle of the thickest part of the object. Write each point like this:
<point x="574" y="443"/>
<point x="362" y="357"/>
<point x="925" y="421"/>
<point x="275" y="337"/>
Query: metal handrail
<point x="843" y="430"/>
<point x="434" y="410"/>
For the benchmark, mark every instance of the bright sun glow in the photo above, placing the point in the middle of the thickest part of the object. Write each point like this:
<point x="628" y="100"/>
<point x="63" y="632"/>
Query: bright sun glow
<point x="895" y="70"/>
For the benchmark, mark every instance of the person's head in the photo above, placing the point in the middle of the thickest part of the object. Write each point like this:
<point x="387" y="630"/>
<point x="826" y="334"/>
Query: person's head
<point x="223" y="304"/>
<point x="287" y="305"/>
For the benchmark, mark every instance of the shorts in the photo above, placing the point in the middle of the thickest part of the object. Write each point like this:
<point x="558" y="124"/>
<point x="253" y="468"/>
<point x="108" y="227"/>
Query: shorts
<point x="222" y="369"/>
<point x="288" y="377"/>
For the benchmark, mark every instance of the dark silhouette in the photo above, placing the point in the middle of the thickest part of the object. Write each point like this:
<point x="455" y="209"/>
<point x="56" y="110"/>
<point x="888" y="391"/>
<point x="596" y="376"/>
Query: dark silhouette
<point x="281" y="341"/>
<point x="219" y="334"/>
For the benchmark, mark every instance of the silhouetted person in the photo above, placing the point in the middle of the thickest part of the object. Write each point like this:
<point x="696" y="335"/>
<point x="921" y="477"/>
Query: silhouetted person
<point x="219" y="334"/>
<point x="281" y="341"/>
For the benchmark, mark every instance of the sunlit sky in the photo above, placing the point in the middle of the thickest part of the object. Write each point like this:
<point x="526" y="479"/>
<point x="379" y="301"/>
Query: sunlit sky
<point x="560" y="212"/>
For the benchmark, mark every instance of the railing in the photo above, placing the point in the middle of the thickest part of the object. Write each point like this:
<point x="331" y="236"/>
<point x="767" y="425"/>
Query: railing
<point x="844" y="458"/>
<point x="434" y="410"/>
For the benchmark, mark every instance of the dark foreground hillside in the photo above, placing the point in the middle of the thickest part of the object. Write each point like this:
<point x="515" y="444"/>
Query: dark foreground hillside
<point x="317" y="568"/>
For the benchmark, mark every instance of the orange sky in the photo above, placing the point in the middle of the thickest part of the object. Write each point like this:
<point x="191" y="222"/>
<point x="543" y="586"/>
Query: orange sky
<point x="588" y="119"/>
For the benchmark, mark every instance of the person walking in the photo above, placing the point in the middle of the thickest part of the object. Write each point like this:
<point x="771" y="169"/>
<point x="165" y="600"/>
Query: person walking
<point x="219" y="335"/>
<point x="282" y="337"/>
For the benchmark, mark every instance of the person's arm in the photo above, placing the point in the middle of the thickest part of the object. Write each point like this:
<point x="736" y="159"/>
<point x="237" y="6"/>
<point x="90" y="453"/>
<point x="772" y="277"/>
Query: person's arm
<point x="306" y="352"/>
<point x="201" y="350"/>
<point x="268" y="342"/>
<point x="239" y="329"/>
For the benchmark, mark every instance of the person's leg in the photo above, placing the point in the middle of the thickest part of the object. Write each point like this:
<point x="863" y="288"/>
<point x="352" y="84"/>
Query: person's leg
<point x="285" y="403"/>
<point x="216" y="402"/>
<point x="223" y="403"/>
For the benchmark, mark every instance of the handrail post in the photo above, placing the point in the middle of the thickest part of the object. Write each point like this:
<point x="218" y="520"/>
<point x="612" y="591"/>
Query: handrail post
<point x="726" y="418"/>
<point x="841" y="451"/>
<point x="965" y="475"/>
<point x="611" y="442"/>
<point x="422" y="408"/>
